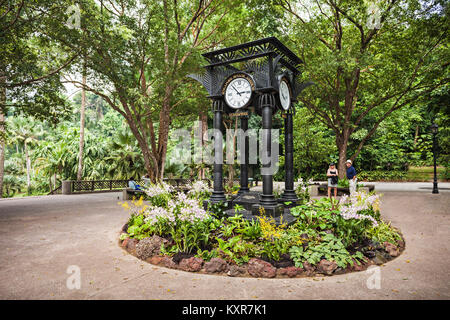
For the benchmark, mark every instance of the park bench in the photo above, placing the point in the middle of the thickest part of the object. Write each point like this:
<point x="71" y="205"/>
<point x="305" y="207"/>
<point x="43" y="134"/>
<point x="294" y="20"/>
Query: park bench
<point x="316" y="189"/>
<point x="323" y="188"/>
<point x="128" y="194"/>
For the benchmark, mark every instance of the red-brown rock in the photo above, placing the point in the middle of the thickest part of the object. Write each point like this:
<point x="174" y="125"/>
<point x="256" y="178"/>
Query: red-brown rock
<point x="235" y="271"/>
<point x="326" y="267"/>
<point x="156" y="260"/>
<point x="290" y="271"/>
<point x="391" y="249"/>
<point x="356" y="267"/>
<point x="261" y="269"/>
<point x="309" y="268"/>
<point x="216" y="265"/>
<point x="131" y="245"/>
<point x="192" y="264"/>
<point x="169" y="263"/>
<point x="124" y="242"/>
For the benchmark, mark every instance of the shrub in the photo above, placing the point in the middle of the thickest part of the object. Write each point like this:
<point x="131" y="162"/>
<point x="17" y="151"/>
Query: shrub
<point x="302" y="191"/>
<point x="382" y="175"/>
<point x="323" y="230"/>
<point x="330" y="248"/>
<point x="383" y="233"/>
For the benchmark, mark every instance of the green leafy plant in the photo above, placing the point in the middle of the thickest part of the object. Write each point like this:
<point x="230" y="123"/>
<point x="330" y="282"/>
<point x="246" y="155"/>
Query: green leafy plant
<point x="384" y="232"/>
<point x="236" y="249"/>
<point x="330" y="248"/>
<point x="319" y="215"/>
<point x="206" y="254"/>
<point x="250" y="230"/>
<point x="217" y="209"/>
<point x="302" y="190"/>
<point x="238" y="208"/>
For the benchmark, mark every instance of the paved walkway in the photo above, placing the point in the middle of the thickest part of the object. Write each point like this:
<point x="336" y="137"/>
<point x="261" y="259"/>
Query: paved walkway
<point x="40" y="237"/>
<point x="383" y="186"/>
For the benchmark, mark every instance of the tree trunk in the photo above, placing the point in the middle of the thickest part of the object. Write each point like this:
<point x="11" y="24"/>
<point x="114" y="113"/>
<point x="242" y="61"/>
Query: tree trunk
<point x="342" y="144"/>
<point x="99" y="110"/>
<point x="416" y="136"/>
<point x="2" y="134"/>
<point x="82" y="120"/>
<point x="163" y="136"/>
<point x="28" y="165"/>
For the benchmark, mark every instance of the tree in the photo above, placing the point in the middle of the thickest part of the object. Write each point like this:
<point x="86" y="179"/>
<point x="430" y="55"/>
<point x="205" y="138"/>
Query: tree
<point x="124" y="160"/>
<point x="82" y="115"/>
<point x="138" y="54"/>
<point x="24" y="130"/>
<point x="29" y="65"/>
<point x="313" y="145"/>
<point x="367" y="59"/>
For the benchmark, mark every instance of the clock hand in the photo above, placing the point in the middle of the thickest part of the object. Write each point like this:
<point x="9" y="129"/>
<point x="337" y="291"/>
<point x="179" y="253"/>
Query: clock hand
<point x="235" y="90"/>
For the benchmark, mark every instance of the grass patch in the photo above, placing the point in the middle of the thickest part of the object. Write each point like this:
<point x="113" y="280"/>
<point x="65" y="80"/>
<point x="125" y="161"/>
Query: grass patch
<point x="425" y="174"/>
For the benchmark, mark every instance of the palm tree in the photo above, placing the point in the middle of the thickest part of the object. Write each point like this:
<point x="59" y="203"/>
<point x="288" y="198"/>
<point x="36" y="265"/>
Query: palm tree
<point x="126" y="159"/>
<point x="26" y="131"/>
<point x="53" y="158"/>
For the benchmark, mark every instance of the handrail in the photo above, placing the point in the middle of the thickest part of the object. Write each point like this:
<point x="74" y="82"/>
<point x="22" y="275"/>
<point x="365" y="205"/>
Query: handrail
<point x="57" y="190"/>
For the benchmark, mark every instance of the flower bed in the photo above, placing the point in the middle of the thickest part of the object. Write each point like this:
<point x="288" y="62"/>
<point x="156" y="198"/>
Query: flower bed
<point x="172" y="229"/>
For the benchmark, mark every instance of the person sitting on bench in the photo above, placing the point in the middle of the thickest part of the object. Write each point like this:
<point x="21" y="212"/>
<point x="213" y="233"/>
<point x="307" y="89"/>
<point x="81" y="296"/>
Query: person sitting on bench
<point x="146" y="179"/>
<point x="133" y="185"/>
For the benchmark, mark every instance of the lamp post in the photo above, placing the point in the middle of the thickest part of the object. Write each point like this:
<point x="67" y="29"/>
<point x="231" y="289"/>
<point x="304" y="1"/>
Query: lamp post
<point x="434" y="130"/>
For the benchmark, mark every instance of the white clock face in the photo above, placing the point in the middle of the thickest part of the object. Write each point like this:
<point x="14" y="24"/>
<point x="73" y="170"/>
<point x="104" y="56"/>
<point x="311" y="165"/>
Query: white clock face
<point x="285" y="95"/>
<point x="238" y="93"/>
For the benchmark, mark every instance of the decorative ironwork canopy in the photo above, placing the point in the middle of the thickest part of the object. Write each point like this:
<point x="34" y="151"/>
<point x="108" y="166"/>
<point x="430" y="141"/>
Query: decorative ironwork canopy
<point x="255" y="49"/>
<point x="265" y="60"/>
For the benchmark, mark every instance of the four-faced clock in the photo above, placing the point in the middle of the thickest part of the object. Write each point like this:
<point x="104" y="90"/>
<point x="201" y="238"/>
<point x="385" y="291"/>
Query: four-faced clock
<point x="238" y="91"/>
<point x="285" y="94"/>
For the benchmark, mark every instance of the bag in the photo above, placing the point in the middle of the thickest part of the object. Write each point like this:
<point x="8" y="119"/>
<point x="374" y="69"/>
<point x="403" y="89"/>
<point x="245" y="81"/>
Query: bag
<point x="334" y="180"/>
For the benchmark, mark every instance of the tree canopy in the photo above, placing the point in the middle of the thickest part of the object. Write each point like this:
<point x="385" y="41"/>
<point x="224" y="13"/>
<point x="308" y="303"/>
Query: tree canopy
<point x="380" y="70"/>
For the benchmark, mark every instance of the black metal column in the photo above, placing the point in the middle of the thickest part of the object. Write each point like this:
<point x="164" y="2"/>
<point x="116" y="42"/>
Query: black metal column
<point x="218" y="192"/>
<point x="267" y="102"/>
<point x="244" y="162"/>
<point x="435" y="183"/>
<point x="289" y="192"/>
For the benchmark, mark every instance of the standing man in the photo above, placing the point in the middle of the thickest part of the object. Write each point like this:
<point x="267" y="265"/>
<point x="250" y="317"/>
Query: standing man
<point x="351" y="176"/>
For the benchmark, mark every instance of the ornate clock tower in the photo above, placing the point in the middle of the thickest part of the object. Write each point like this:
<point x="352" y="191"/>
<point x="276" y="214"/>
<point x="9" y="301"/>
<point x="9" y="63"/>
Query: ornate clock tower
<point x="261" y="75"/>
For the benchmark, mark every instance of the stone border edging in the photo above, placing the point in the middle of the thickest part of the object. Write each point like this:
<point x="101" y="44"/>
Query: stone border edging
<point x="256" y="268"/>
